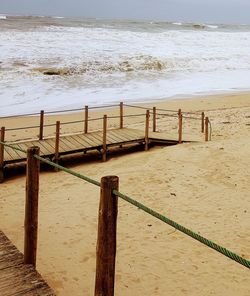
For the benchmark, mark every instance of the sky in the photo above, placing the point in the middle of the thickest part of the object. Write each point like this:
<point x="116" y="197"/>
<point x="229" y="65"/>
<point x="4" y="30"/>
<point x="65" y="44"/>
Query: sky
<point x="213" y="11"/>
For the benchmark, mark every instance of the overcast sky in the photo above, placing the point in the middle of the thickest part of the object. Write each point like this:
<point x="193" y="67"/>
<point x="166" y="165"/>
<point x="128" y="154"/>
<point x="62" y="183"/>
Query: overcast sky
<point x="222" y="11"/>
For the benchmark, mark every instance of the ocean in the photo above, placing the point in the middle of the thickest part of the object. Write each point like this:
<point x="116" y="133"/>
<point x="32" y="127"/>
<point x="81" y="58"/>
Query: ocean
<point x="54" y="63"/>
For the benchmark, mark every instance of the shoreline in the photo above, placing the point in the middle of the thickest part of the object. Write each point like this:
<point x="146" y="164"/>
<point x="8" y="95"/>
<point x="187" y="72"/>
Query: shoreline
<point x="185" y="100"/>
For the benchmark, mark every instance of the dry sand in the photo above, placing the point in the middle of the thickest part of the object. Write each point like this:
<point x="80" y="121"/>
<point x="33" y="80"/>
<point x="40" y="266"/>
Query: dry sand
<point x="203" y="186"/>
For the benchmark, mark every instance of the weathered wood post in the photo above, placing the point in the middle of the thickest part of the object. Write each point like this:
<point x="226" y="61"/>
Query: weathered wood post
<point x="104" y="138"/>
<point x="180" y="126"/>
<point x="154" y="119"/>
<point x="57" y="143"/>
<point x="202" y="121"/>
<point x="147" y="130"/>
<point x="2" y="155"/>
<point x="86" y="118"/>
<point x="41" y="125"/>
<point x="106" y="241"/>
<point x="121" y="115"/>
<point x="31" y="206"/>
<point x="206" y="128"/>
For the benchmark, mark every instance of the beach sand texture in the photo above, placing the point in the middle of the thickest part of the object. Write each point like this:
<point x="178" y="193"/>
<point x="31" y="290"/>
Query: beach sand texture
<point x="203" y="186"/>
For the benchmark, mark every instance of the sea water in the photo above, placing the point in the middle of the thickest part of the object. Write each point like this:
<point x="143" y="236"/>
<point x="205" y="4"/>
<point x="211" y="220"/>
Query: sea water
<point x="55" y="63"/>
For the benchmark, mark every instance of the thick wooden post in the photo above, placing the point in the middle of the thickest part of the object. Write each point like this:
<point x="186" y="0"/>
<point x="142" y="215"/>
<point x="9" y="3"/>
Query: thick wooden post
<point x="206" y="128"/>
<point x="147" y="130"/>
<point x="2" y="155"/>
<point x="202" y="121"/>
<point x="31" y="206"/>
<point x="41" y="124"/>
<point x="106" y="241"/>
<point x="154" y="119"/>
<point x="121" y="115"/>
<point x="104" y="138"/>
<point x="180" y="126"/>
<point x="86" y="118"/>
<point x="57" y="143"/>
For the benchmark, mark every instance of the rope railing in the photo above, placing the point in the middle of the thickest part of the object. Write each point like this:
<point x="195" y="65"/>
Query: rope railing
<point x="130" y="115"/>
<point x="224" y="251"/>
<point x="160" y="109"/>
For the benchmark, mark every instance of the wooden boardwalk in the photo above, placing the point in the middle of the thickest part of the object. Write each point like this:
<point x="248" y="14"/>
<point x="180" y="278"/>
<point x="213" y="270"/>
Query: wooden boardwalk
<point x="17" y="279"/>
<point x="75" y="143"/>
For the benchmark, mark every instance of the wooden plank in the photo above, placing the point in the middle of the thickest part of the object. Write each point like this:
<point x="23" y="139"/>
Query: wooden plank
<point x="17" y="279"/>
<point x="90" y="140"/>
<point x="84" y="139"/>
<point x="45" y="147"/>
<point x="121" y="135"/>
<point x="76" y="143"/>
<point x="80" y="142"/>
<point x="112" y="139"/>
<point x="117" y="137"/>
<point x="14" y="153"/>
<point x="134" y="134"/>
<point x="66" y="142"/>
<point x="95" y="140"/>
<point x="53" y="144"/>
<point x="7" y="156"/>
<point x="98" y="137"/>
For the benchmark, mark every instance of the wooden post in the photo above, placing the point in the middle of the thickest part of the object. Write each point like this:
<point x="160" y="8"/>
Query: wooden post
<point x="147" y="130"/>
<point x="2" y="155"/>
<point x="31" y="206"/>
<point x="154" y="119"/>
<point x="104" y="152"/>
<point x="106" y="241"/>
<point x="41" y="124"/>
<point x="57" y="143"/>
<point x="206" y="129"/>
<point x="180" y="126"/>
<point x="86" y="118"/>
<point x="121" y="115"/>
<point x="202" y="121"/>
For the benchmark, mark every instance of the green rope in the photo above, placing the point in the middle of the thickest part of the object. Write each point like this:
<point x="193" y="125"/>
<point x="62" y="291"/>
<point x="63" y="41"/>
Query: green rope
<point x="188" y="232"/>
<point x="146" y="209"/>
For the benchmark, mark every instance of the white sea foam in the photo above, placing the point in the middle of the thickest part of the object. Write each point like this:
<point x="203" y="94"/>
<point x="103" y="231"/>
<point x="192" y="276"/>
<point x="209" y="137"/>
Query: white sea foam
<point x="96" y="65"/>
<point x="177" y="24"/>
<point x="212" y="26"/>
<point x="3" y="17"/>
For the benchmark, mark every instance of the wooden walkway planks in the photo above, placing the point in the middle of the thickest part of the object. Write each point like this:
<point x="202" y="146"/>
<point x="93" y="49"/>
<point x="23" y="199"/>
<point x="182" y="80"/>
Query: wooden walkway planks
<point x="82" y="142"/>
<point x="17" y="279"/>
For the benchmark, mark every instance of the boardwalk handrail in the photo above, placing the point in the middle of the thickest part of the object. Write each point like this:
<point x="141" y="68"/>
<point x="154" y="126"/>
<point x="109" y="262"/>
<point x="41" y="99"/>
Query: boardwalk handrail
<point x="121" y="116"/>
<point x="224" y="251"/>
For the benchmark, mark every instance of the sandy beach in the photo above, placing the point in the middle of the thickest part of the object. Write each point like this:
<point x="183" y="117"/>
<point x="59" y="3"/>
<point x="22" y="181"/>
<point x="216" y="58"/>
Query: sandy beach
<point x="203" y="186"/>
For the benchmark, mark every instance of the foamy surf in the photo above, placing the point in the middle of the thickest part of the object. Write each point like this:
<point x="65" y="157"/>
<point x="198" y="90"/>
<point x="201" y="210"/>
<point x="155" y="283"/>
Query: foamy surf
<point x="48" y="63"/>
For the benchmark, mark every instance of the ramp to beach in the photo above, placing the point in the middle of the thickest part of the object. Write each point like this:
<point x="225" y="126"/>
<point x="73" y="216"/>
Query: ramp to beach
<point x="104" y="134"/>
<point x="16" y="278"/>
<point x="76" y="143"/>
